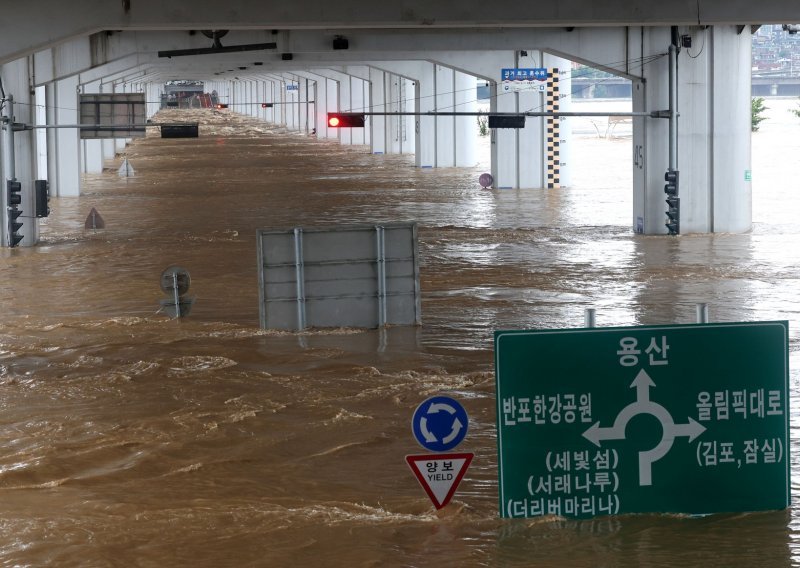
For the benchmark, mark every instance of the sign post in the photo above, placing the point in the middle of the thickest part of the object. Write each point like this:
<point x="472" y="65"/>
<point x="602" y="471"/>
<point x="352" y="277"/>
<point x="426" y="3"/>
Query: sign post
<point x="439" y="424"/>
<point x="675" y="419"/>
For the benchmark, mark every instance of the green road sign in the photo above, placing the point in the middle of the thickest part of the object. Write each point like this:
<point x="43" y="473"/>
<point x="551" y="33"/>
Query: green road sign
<point x="676" y="419"/>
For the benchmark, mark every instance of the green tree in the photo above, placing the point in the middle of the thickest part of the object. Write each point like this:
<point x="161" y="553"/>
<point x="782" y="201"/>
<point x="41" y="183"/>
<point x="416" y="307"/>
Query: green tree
<point x="757" y="108"/>
<point x="795" y="111"/>
<point x="483" y="125"/>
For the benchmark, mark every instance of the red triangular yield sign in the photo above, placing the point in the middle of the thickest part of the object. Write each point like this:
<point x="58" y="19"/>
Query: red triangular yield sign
<point x="440" y="474"/>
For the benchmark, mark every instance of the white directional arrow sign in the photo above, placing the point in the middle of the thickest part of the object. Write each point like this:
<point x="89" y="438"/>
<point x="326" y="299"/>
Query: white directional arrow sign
<point x="643" y="405"/>
<point x="439" y="424"/>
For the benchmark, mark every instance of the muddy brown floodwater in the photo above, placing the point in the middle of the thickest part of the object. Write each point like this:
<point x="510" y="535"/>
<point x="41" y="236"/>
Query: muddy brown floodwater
<point x="129" y="439"/>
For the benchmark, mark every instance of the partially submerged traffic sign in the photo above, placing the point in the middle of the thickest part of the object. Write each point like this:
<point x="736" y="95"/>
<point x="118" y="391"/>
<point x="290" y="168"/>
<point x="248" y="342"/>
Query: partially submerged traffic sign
<point x="440" y="424"/>
<point x="440" y="474"/>
<point x="680" y="419"/>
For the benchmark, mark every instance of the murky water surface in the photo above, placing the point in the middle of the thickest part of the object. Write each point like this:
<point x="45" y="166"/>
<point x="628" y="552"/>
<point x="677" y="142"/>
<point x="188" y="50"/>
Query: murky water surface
<point x="128" y="439"/>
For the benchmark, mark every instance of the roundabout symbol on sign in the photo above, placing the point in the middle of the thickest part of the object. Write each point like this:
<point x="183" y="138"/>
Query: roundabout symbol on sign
<point x="439" y="424"/>
<point x="597" y="434"/>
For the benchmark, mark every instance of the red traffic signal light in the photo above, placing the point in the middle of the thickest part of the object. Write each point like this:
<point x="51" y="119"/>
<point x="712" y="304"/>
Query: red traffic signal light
<point x="222" y="105"/>
<point x="346" y="119"/>
<point x="266" y="105"/>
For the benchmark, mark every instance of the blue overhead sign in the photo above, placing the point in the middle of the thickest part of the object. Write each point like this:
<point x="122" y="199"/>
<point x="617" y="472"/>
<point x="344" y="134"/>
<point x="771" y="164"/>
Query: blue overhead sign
<point x="524" y="74"/>
<point x="439" y="424"/>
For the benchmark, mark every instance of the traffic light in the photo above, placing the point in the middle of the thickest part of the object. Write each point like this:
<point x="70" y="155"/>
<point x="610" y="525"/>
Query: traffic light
<point x="266" y="105"/>
<point x="14" y="198"/>
<point x="14" y="237"/>
<point x="14" y="192"/>
<point x="42" y="192"/>
<point x="346" y="119"/>
<point x="673" y="223"/>
<point x="673" y="215"/>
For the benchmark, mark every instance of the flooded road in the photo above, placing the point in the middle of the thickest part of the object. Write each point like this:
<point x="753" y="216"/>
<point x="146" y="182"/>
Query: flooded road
<point x="129" y="439"/>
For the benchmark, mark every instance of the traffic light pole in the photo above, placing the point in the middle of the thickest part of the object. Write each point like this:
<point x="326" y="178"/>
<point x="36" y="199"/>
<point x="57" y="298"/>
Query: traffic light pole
<point x="672" y="177"/>
<point x="9" y="173"/>
<point x="673" y="107"/>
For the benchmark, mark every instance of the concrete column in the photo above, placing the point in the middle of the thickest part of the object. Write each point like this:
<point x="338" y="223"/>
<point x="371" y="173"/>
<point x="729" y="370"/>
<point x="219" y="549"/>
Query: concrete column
<point x="291" y="87"/>
<point x="465" y="139"/>
<point x="316" y="91"/>
<point x="444" y="100"/>
<point x="68" y="154"/>
<point x="92" y="150"/>
<point x="713" y="133"/>
<point x="17" y="83"/>
<point x="377" y="124"/>
<point x="41" y="133"/>
<point x="412" y="91"/>
<point x="341" y="84"/>
<point x="153" y="98"/>
<point x="268" y="96"/>
<point x="302" y="105"/>
<point x="359" y="101"/>
<point x="425" y="139"/>
<point x="252" y="99"/>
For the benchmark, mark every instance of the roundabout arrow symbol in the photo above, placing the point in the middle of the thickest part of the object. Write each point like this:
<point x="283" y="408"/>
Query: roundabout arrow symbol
<point x="434" y="407"/>
<point x="430" y="437"/>
<point x="439" y="424"/>
<point x="457" y="425"/>
<point x="643" y="405"/>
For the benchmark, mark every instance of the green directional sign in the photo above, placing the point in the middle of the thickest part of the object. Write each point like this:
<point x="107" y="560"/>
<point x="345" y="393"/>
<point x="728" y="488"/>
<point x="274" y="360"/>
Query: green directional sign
<point x="676" y="419"/>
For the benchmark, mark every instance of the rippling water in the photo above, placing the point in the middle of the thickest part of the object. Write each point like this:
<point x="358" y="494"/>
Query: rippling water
<point x="128" y="439"/>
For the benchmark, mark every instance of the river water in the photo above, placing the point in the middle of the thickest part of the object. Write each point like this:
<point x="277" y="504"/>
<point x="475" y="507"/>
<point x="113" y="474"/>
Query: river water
<point x="129" y="439"/>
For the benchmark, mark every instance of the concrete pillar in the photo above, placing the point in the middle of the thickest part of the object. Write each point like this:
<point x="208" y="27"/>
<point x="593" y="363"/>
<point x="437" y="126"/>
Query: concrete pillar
<point x="17" y="83"/>
<point x="425" y="101"/>
<point x="359" y="101"/>
<point x="40" y="98"/>
<point x="713" y="154"/>
<point x="377" y="124"/>
<point x="465" y="126"/>
<point x="91" y="150"/>
<point x="412" y="91"/>
<point x="314" y="106"/>
<point x="66" y="139"/>
<point x="302" y="105"/>
<point x="445" y="126"/>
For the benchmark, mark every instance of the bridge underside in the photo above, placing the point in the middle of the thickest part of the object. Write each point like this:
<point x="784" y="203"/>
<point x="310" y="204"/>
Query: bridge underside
<point x="417" y="61"/>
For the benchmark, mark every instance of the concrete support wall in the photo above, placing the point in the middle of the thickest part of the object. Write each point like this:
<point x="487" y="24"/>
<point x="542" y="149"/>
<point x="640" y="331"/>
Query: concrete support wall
<point x="91" y="150"/>
<point x="713" y="155"/>
<point x="465" y="137"/>
<point x="353" y="95"/>
<point x="713" y="102"/>
<point x="17" y="82"/>
<point x="67" y="154"/>
<point x="519" y="156"/>
<point x="396" y="94"/>
<point x="377" y="124"/>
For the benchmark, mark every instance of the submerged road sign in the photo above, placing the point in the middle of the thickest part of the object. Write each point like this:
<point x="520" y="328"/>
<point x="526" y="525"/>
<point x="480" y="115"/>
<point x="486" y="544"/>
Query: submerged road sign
<point x="681" y="419"/>
<point x="440" y="474"/>
<point x="439" y="424"/>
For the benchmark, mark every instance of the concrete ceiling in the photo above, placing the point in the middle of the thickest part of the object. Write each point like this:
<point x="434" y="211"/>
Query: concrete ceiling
<point x="27" y="27"/>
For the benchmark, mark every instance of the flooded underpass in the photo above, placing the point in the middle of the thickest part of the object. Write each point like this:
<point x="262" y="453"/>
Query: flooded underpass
<point x="128" y="438"/>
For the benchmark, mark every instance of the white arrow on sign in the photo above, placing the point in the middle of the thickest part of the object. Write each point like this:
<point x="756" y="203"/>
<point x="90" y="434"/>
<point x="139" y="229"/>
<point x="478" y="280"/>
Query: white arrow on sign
<point x="643" y="405"/>
<point x="429" y="436"/>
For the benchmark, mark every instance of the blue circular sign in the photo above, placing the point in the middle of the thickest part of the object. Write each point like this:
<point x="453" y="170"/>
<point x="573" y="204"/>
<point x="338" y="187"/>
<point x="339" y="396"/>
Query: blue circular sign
<point x="439" y="424"/>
